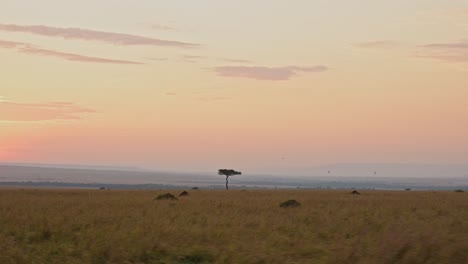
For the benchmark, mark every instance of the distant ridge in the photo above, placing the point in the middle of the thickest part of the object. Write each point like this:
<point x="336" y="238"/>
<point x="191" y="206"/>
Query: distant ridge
<point x="74" y="166"/>
<point x="10" y="172"/>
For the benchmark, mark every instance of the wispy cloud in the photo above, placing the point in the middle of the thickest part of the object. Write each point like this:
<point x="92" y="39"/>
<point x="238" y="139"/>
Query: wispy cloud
<point x="266" y="73"/>
<point x="10" y="44"/>
<point x="27" y="112"/>
<point x="157" y="59"/>
<point x="384" y="44"/>
<point x="234" y="60"/>
<point x="197" y="58"/>
<point x="93" y="35"/>
<point x="450" y="52"/>
<point x="27" y="48"/>
<point x="454" y="45"/>
<point x="191" y="58"/>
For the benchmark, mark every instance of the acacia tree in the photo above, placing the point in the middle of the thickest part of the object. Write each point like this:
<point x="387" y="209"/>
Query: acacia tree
<point x="228" y="173"/>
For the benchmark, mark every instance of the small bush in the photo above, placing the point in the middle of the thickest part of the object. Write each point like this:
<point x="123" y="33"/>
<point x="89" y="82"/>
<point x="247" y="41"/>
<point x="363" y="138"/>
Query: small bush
<point x="290" y="204"/>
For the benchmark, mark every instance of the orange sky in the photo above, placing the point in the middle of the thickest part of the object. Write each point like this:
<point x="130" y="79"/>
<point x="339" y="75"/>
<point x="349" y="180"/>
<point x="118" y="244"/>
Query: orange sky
<point x="247" y="84"/>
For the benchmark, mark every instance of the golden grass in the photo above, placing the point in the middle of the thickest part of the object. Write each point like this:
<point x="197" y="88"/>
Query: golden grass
<point x="92" y="226"/>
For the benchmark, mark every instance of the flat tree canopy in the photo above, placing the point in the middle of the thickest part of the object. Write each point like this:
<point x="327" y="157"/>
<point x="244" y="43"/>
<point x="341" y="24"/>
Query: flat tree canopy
<point x="228" y="173"/>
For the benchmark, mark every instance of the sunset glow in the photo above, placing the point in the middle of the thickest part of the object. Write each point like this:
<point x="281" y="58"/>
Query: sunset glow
<point x="255" y="85"/>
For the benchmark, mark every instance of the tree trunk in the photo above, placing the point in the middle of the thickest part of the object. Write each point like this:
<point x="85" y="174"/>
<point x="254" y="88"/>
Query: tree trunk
<point x="227" y="188"/>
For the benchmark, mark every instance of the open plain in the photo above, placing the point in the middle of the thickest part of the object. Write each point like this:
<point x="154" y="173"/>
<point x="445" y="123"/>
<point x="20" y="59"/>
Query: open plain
<point x="113" y="226"/>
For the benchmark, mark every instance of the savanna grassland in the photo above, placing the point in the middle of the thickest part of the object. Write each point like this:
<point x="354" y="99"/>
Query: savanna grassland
<point x="100" y="226"/>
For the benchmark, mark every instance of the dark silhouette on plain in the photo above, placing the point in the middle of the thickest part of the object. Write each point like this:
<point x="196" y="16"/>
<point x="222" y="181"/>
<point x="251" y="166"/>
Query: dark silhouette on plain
<point x="355" y="192"/>
<point x="184" y="193"/>
<point x="228" y="173"/>
<point x="166" y="196"/>
<point x="290" y="204"/>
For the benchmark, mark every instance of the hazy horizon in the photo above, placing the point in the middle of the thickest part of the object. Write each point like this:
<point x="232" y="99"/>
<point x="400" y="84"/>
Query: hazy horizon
<point x="333" y="171"/>
<point x="259" y="86"/>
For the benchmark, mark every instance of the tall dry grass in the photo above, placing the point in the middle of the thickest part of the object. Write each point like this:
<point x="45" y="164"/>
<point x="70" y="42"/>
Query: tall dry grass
<point x="92" y="226"/>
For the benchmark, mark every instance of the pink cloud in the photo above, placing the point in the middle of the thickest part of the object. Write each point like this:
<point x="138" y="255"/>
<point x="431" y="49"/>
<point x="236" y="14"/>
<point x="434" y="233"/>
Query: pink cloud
<point x="196" y="58"/>
<point x="191" y="58"/>
<point x="31" y="49"/>
<point x="265" y="73"/>
<point x="450" y="52"/>
<point x="454" y="45"/>
<point x="234" y="60"/>
<point x="385" y="44"/>
<point x="14" y="111"/>
<point x="9" y="44"/>
<point x="93" y="35"/>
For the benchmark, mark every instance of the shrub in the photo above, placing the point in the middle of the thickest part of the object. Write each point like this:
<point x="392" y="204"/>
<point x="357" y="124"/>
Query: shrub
<point x="290" y="204"/>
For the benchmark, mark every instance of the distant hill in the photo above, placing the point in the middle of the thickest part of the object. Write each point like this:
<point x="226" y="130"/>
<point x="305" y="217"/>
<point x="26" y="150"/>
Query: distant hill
<point x="74" y="166"/>
<point x="85" y="174"/>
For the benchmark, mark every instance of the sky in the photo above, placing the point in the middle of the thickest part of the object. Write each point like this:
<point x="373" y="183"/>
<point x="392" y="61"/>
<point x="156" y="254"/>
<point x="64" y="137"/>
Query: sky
<point x="253" y="85"/>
